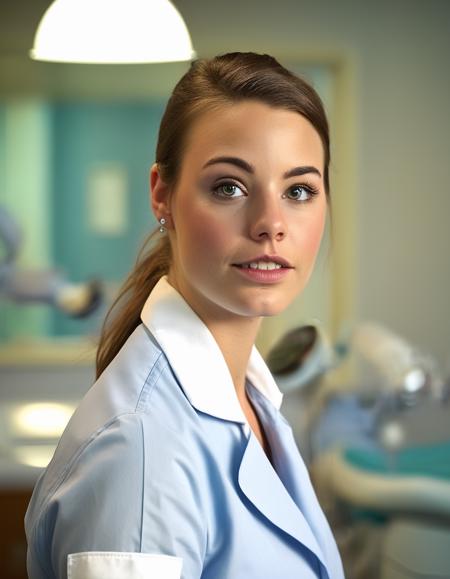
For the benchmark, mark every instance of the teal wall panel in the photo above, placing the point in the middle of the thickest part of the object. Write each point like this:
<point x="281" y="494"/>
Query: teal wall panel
<point x="86" y="136"/>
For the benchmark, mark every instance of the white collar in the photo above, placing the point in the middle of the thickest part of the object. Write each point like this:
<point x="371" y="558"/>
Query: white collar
<point x="196" y="358"/>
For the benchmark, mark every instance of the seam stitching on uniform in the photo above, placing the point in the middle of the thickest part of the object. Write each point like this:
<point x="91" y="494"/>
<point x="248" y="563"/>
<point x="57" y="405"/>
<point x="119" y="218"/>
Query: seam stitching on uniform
<point x="143" y="486"/>
<point x="150" y="382"/>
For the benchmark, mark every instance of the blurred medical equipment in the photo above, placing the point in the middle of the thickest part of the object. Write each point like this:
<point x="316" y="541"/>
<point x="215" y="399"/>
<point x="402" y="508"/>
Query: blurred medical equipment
<point x="302" y="362"/>
<point x="299" y="361"/>
<point x="378" y="450"/>
<point x="41" y="286"/>
<point x="300" y="357"/>
<point x="405" y="371"/>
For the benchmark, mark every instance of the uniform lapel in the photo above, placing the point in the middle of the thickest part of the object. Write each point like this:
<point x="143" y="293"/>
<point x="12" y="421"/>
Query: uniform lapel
<point x="295" y="477"/>
<point x="264" y="489"/>
<point x="294" y="508"/>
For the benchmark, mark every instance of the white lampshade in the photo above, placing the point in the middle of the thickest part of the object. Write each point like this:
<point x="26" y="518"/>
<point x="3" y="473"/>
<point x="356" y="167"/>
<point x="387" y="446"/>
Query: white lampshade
<point x="112" y="31"/>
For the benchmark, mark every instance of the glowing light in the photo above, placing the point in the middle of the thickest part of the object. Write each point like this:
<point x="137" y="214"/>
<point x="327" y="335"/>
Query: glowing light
<point x="112" y="31"/>
<point x="415" y="380"/>
<point x="392" y="435"/>
<point x="37" y="456"/>
<point x="41" y="420"/>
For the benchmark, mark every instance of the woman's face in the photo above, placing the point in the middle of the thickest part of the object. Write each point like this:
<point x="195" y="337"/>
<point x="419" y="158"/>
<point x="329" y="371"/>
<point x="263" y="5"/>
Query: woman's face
<point x="247" y="213"/>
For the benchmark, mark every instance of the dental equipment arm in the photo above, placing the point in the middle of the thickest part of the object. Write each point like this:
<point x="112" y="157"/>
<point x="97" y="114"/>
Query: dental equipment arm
<point x="41" y="286"/>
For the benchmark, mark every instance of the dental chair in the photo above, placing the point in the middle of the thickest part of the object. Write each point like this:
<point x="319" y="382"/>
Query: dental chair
<point x="380" y="463"/>
<point x="414" y="500"/>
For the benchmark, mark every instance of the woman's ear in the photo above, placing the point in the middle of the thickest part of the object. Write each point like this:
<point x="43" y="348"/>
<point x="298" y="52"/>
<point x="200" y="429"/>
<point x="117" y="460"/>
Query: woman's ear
<point x="160" y="195"/>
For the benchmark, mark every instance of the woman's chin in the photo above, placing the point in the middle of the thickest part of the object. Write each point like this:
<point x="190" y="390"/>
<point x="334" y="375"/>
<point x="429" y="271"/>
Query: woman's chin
<point x="265" y="309"/>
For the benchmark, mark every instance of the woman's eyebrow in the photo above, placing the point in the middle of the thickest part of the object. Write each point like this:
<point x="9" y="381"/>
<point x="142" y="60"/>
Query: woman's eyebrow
<point x="299" y="171"/>
<point x="233" y="161"/>
<point x="238" y="162"/>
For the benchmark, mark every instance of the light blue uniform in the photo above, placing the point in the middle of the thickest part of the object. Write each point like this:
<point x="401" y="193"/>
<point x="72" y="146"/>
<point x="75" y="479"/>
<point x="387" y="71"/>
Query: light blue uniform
<point x="158" y="474"/>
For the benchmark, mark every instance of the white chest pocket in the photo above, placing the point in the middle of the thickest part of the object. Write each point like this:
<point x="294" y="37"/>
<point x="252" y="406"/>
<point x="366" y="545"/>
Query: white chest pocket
<point x="117" y="565"/>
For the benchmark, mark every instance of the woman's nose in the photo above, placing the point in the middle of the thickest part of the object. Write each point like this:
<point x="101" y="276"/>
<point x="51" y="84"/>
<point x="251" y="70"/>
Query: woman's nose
<point x="267" y="220"/>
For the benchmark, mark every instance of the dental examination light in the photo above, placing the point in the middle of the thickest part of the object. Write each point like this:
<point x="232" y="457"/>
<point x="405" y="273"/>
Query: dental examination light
<point x="300" y="357"/>
<point x="112" y="32"/>
<point x="41" y="286"/>
<point x="403" y="369"/>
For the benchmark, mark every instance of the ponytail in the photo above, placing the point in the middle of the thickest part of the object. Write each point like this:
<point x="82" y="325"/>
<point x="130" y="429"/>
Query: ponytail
<point x="124" y="315"/>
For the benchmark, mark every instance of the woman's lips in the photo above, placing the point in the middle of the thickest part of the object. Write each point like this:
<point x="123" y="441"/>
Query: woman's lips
<point x="265" y="262"/>
<point x="260" y="275"/>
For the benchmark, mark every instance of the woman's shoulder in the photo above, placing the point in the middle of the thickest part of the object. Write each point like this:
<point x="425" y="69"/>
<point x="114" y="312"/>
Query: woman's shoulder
<point x="134" y="424"/>
<point x="137" y="398"/>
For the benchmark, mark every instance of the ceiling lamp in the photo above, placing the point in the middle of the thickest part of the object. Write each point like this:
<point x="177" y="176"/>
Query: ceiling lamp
<point x="112" y="32"/>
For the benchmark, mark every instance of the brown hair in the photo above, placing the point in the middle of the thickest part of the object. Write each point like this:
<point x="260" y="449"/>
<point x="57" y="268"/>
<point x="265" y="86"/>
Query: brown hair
<point x="208" y="84"/>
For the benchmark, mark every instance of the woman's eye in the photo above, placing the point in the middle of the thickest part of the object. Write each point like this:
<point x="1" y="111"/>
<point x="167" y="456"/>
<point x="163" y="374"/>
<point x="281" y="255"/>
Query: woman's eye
<point x="300" y="193"/>
<point x="228" y="190"/>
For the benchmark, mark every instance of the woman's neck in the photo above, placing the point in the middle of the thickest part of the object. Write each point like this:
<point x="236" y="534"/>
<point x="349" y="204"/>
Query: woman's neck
<point x="236" y="339"/>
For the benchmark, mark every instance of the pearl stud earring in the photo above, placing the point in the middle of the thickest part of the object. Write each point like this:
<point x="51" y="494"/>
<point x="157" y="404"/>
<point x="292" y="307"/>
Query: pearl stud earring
<point x="162" y="222"/>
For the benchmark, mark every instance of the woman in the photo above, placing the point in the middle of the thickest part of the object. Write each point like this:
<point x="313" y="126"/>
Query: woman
<point x="178" y="462"/>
